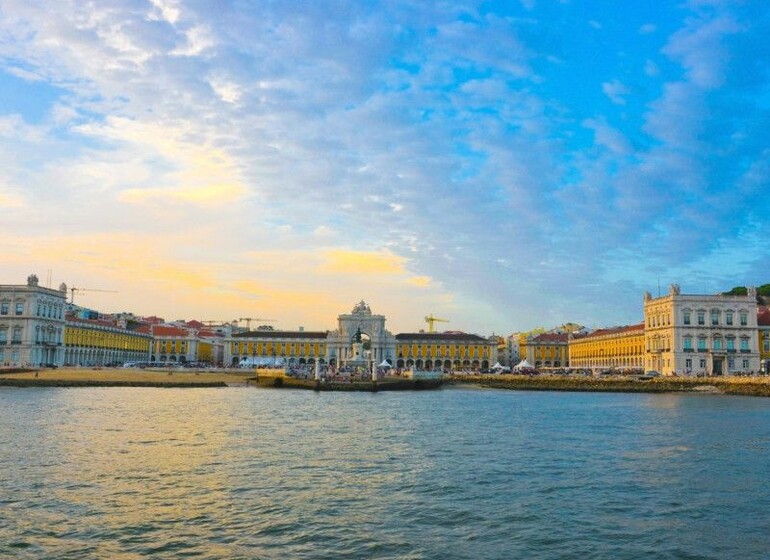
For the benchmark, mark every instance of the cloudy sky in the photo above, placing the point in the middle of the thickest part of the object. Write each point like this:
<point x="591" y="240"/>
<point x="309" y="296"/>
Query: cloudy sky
<point x="504" y="165"/>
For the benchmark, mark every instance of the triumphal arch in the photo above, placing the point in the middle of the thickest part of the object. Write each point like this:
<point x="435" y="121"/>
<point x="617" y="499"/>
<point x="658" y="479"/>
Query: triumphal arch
<point x="360" y="337"/>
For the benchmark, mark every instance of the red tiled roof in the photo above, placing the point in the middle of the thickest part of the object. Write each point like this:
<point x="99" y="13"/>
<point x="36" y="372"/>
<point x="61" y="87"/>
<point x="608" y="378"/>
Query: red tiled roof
<point x="282" y="334"/>
<point x="763" y="316"/>
<point x="614" y="330"/>
<point x="164" y="330"/>
<point x="551" y="338"/>
<point x="452" y="335"/>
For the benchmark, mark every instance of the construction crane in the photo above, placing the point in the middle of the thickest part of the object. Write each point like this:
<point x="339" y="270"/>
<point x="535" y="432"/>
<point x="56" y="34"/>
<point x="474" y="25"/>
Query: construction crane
<point x="430" y="319"/>
<point x="73" y="290"/>
<point x="250" y="319"/>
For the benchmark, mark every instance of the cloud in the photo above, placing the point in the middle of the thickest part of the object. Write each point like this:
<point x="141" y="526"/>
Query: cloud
<point x="700" y="47"/>
<point x="419" y="153"/>
<point x="363" y="262"/>
<point x="648" y="28"/>
<point x="167" y="10"/>
<point x="616" y="91"/>
<point x="198" y="40"/>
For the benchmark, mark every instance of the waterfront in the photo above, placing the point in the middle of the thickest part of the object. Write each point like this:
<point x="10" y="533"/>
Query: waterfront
<point x="456" y="473"/>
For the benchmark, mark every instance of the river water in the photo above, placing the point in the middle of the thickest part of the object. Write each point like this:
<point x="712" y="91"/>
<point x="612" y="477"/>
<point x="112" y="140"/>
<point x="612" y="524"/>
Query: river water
<point x="457" y="473"/>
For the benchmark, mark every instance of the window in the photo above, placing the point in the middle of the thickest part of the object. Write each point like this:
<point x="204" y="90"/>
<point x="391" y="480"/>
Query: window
<point x="701" y="345"/>
<point x="766" y="343"/>
<point x="19" y="308"/>
<point x="701" y="317"/>
<point x="3" y="336"/>
<point x="744" y="319"/>
<point x="686" y="317"/>
<point x="4" y="308"/>
<point x="703" y="363"/>
<point x="745" y="364"/>
<point x="16" y="335"/>
<point x="731" y="345"/>
<point x="714" y="317"/>
<point x="717" y="343"/>
<point x="688" y="363"/>
<point x="744" y="345"/>
<point x="729" y="317"/>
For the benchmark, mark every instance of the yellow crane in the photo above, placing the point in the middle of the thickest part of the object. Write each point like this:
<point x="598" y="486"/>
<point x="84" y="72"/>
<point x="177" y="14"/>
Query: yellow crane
<point x="430" y="319"/>
<point x="73" y="290"/>
<point x="250" y="319"/>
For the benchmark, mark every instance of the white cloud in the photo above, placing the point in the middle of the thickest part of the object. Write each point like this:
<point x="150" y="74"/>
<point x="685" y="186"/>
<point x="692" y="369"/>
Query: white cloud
<point x="229" y="92"/>
<point x="616" y="91"/>
<point x="167" y="10"/>
<point x="198" y="39"/>
<point x="651" y="69"/>
<point x="291" y="128"/>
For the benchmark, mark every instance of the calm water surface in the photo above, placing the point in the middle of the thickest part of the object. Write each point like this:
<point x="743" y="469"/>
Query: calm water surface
<point x="459" y="473"/>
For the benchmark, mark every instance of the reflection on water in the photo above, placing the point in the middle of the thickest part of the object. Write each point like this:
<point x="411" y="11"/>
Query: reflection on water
<point x="258" y="473"/>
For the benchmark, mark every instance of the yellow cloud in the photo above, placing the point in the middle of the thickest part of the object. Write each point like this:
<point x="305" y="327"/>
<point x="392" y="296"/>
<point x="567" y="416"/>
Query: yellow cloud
<point x="124" y="258"/>
<point x="202" y="174"/>
<point x="362" y="262"/>
<point x="9" y="201"/>
<point x="420" y="281"/>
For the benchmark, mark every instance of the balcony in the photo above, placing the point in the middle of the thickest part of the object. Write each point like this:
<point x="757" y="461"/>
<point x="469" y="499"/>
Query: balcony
<point x="688" y="350"/>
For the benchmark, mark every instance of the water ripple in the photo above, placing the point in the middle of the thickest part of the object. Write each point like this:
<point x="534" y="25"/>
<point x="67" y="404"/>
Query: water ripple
<point x="251" y="473"/>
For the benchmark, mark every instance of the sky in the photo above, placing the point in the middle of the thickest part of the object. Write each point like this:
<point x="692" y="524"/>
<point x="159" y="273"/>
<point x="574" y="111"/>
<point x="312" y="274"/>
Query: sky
<point x="503" y="165"/>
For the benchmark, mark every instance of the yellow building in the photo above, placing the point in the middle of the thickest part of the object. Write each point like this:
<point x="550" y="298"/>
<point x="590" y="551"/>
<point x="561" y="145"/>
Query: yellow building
<point x="763" y="324"/>
<point x="620" y="348"/>
<point x="449" y="351"/>
<point x="546" y="350"/>
<point x="269" y="347"/>
<point x="94" y="342"/>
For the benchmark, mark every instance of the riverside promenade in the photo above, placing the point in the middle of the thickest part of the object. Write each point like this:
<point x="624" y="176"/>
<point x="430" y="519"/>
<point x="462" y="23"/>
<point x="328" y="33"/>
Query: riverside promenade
<point x="125" y="377"/>
<point x="757" y="386"/>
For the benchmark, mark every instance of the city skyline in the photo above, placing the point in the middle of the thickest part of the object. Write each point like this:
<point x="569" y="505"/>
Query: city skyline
<point x="502" y="166"/>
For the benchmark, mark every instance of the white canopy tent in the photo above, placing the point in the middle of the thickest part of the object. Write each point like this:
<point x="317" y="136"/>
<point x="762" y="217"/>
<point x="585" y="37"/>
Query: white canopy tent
<point x="523" y="365"/>
<point x="385" y="364"/>
<point x="500" y="368"/>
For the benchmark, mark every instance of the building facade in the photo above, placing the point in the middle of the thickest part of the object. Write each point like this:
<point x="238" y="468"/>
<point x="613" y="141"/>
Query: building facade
<point x="701" y="334"/>
<point x="180" y="343"/>
<point x="617" y="348"/>
<point x="448" y="351"/>
<point x="545" y="350"/>
<point x="94" y="342"/>
<point x="763" y="326"/>
<point x="275" y="348"/>
<point x="32" y="324"/>
<point x="360" y="338"/>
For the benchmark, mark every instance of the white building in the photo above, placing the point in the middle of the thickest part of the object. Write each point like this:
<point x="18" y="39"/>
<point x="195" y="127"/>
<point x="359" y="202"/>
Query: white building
<point x="701" y="334"/>
<point x="32" y="324"/>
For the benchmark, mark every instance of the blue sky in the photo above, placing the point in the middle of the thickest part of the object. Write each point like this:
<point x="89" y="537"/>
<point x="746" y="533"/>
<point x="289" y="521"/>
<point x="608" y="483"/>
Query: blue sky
<point x="505" y="165"/>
